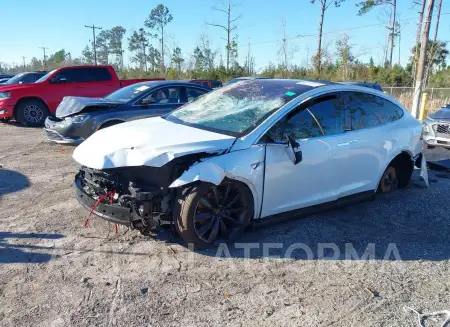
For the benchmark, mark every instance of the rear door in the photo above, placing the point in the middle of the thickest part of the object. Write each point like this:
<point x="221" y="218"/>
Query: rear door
<point x="370" y="139"/>
<point x="97" y="81"/>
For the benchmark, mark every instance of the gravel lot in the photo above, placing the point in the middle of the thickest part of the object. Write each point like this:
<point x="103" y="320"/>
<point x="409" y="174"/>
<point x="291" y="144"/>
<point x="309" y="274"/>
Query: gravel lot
<point x="345" y="267"/>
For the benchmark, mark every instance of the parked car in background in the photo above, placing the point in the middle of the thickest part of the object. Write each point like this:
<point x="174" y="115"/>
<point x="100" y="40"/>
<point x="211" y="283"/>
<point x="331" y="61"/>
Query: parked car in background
<point x="25" y="78"/>
<point x="246" y="153"/>
<point x="244" y="78"/>
<point x="211" y="83"/>
<point x="436" y="128"/>
<point x="30" y="104"/>
<point x="78" y="118"/>
<point x="3" y="80"/>
<point x="371" y="85"/>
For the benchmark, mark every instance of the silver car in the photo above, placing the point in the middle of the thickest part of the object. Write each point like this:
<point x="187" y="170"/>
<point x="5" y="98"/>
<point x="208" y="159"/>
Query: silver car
<point x="436" y="128"/>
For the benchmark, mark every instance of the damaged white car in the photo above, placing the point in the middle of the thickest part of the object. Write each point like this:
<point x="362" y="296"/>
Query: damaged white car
<point x="245" y="153"/>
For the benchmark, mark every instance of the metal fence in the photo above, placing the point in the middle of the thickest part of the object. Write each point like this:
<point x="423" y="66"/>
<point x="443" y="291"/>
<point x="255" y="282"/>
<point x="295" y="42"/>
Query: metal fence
<point x="436" y="96"/>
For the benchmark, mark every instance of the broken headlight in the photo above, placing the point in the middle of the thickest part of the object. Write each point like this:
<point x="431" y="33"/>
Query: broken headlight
<point x="76" y="119"/>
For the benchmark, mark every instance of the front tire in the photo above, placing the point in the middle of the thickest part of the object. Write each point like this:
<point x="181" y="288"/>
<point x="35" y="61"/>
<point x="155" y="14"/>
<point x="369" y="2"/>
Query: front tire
<point x="207" y="214"/>
<point x="32" y="113"/>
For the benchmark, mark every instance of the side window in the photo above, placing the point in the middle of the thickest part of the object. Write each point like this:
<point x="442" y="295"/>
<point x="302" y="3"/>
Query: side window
<point x="300" y="126"/>
<point x="168" y="95"/>
<point x="329" y="114"/>
<point x="100" y="74"/>
<point x="27" y="79"/>
<point x="323" y="116"/>
<point x="368" y="110"/>
<point x="193" y="93"/>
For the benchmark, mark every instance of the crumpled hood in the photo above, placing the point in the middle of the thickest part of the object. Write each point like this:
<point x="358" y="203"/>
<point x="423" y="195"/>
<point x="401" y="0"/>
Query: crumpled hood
<point x="74" y="105"/>
<point x="146" y="142"/>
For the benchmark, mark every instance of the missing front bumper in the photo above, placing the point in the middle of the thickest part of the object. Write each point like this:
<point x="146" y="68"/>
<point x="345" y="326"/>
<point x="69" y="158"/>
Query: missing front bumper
<point x="112" y="213"/>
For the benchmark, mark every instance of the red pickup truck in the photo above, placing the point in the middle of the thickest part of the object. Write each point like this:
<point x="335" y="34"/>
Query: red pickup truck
<point x="30" y="104"/>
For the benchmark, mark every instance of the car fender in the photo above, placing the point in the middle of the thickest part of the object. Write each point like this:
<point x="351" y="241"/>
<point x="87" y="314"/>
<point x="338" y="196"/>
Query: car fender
<point x="391" y="157"/>
<point x="246" y="166"/>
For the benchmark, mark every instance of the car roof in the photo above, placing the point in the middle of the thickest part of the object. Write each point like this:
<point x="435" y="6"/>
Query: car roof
<point x="170" y="82"/>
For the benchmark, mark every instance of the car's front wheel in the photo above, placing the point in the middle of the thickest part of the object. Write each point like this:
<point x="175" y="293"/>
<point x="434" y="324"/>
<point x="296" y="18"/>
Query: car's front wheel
<point x="31" y="113"/>
<point x="208" y="214"/>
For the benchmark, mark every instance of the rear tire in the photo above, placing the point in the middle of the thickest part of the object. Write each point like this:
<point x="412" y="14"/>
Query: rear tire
<point x="32" y="113"/>
<point x="207" y="214"/>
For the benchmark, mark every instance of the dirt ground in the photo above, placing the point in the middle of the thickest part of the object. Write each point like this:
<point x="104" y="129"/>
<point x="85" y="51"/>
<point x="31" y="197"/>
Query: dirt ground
<point x="355" y="266"/>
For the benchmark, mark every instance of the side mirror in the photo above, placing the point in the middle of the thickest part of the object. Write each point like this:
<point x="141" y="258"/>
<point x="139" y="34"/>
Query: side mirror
<point x="147" y="101"/>
<point x="293" y="150"/>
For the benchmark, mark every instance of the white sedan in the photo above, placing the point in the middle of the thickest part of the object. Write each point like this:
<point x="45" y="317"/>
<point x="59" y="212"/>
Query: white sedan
<point x="245" y="153"/>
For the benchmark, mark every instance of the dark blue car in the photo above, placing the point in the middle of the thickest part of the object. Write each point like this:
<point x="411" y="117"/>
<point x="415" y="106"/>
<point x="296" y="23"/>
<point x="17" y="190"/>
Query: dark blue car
<point x="77" y="118"/>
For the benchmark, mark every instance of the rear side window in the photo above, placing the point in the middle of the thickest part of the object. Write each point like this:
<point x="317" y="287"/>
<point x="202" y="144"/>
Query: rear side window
<point x="365" y="110"/>
<point x="193" y="93"/>
<point x="95" y="74"/>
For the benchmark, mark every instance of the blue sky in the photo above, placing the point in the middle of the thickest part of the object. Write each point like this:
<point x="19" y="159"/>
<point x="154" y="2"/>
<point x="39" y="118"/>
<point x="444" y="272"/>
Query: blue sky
<point x="30" y="24"/>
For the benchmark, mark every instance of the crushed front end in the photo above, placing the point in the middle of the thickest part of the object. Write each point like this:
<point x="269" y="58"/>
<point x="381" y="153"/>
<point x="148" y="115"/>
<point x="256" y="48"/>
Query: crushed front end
<point x="137" y="197"/>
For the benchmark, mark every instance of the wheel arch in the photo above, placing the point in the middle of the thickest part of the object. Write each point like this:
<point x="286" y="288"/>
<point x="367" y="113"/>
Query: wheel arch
<point x="109" y="121"/>
<point x="403" y="157"/>
<point x="214" y="174"/>
<point x="27" y="98"/>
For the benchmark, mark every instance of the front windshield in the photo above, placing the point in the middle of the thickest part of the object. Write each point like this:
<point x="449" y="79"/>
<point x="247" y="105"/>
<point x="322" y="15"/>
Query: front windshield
<point x="15" y="79"/>
<point x="237" y="108"/>
<point x="43" y="78"/>
<point x="129" y="93"/>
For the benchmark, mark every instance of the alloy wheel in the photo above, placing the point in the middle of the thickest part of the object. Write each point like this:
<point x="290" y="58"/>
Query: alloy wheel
<point x="33" y="113"/>
<point x="220" y="213"/>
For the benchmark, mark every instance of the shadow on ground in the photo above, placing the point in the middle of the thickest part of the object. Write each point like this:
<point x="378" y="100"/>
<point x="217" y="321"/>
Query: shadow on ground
<point x="14" y="253"/>
<point x="12" y="181"/>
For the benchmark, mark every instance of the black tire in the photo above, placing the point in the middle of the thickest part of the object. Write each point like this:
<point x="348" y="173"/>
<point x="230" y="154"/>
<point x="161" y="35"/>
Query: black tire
<point x="110" y="123"/>
<point x="224" y="226"/>
<point x="32" y="113"/>
<point x="430" y="147"/>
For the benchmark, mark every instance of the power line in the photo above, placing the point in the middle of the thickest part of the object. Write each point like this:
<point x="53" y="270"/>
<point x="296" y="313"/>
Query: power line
<point x="300" y="36"/>
<point x="93" y="34"/>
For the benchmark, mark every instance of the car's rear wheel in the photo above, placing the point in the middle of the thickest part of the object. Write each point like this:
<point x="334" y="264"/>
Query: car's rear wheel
<point x="32" y="113"/>
<point x="208" y="214"/>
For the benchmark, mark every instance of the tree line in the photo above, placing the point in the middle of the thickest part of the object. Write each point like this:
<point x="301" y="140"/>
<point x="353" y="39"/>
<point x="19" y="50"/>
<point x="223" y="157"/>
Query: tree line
<point x="151" y="56"/>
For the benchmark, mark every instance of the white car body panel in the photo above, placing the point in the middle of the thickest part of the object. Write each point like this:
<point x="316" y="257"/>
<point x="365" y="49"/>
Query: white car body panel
<point x="333" y="166"/>
<point x="246" y="166"/>
<point x="146" y="142"/>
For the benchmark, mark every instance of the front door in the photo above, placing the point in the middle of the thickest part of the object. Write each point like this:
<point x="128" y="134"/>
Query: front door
<point x="318" y="127"/>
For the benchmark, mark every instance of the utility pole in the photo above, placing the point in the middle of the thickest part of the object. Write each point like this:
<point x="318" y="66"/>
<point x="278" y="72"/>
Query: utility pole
<point x="24" y="66"/>
<point x="419" y="30"/>
<point x="422" y="60"/>
<point x="93" y="35"/>
<point x="438" y="17"/>
<point x="44" y="48"/>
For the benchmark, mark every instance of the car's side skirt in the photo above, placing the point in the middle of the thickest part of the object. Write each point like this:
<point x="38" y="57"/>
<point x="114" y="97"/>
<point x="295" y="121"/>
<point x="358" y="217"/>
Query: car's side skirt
<point x="341" y="202"/>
